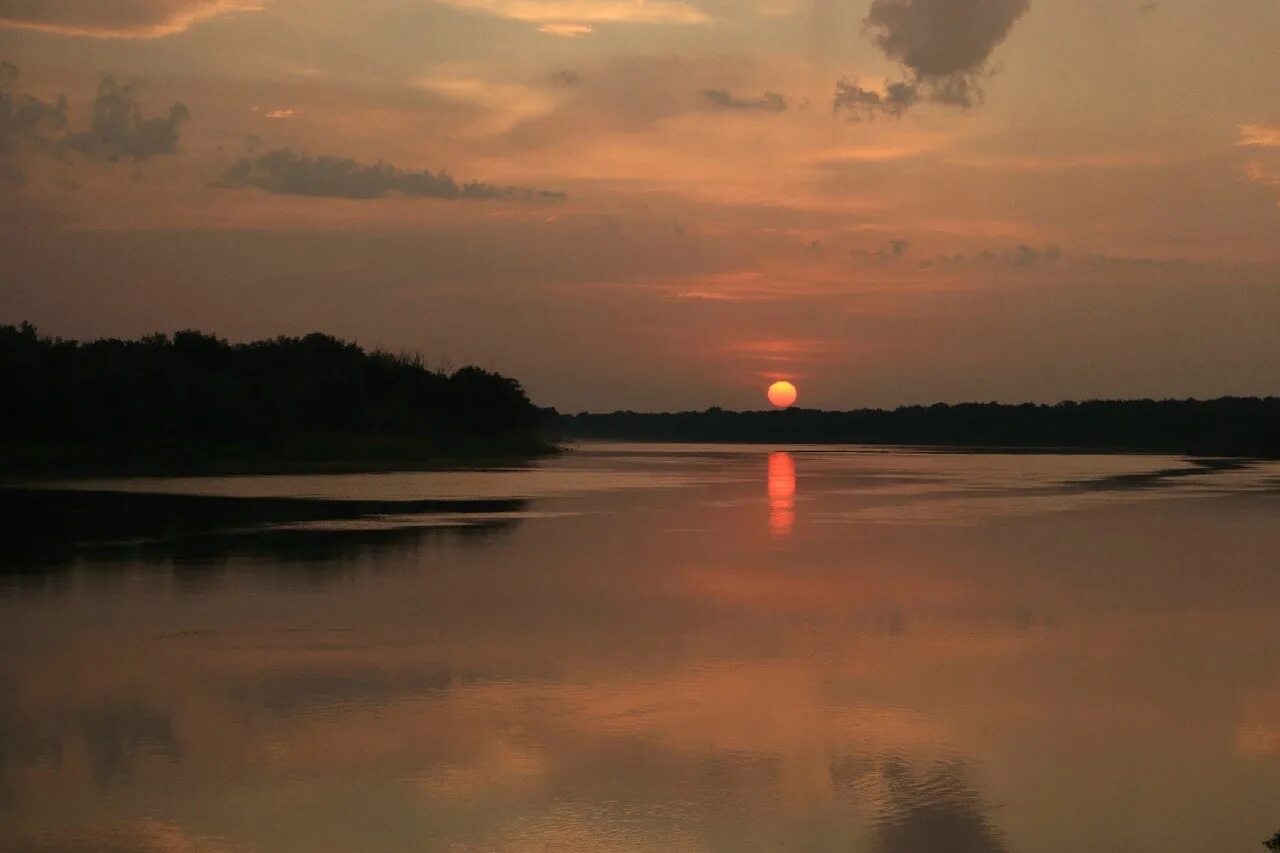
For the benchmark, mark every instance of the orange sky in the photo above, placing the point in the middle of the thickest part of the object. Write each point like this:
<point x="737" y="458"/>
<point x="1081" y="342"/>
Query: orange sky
<point x="887" y="201"/>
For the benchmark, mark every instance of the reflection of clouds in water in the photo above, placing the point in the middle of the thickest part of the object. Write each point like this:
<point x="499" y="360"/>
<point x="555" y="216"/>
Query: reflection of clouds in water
<point x="145" y="835"/>
<point x="1258" y="734"/>
<point x="917" y="807"/>
<point x="934" y="809"/>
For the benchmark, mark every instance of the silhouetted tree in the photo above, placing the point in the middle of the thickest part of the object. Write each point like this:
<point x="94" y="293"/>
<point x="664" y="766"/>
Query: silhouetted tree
<point x="195" y="390"/>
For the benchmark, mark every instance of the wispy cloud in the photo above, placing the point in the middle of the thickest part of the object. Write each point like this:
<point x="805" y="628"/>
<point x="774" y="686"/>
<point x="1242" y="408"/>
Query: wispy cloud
<point x="569" y="31"/>
<point x="117" y="18"/>
<point x="507" y="104"/>
<point x="1259" y="135"/>
<point x="587" y="11"/>
<point x="787" y="349"/>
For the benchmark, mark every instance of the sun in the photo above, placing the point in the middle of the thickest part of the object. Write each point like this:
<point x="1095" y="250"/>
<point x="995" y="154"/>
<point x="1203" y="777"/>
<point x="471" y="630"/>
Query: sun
<point x="782" y="394"/>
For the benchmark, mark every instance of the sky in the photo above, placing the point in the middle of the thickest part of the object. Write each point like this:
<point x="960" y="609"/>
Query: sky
<point x="664" y="204"/>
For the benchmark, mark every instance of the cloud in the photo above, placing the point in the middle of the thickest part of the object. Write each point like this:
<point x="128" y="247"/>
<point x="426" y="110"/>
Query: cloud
<point x="565" y="77"/>
<point x="944" y="46"/>
<point x="117" y="129"/>
<point x="770" y="102"/>
<point x="586" y="11"/>
<point x="1260" y="173"/>
<point x="25" y="119"/>
<point x="116" y="18"/>
<point x="504" y="105"/>
<point x="890" y="250"/>
<point x="570" y="31"/>
<point x="896" y="99"/>
<point x="1259" y="135"/>
<point x="287" y="173"/>
<point x="1020" y="256"/>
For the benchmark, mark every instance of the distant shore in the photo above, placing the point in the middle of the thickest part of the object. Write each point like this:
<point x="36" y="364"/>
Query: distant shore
<point x="1228" y="426"/>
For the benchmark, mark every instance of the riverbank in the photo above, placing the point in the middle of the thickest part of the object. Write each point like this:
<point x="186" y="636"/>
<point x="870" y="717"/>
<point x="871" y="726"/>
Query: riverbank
<point x="312" y="454"/>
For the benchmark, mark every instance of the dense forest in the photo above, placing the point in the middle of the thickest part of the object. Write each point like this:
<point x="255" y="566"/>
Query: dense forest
<point x="1230" y="426"/>
<point x="195" y="400"/>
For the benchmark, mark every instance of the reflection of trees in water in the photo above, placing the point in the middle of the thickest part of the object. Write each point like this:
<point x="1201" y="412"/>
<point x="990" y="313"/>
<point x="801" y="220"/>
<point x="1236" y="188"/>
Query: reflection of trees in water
<point x="199" y="536"/>
<point x="919" y="809"/>
<point x="113" y="735"/>
<point x="116" y="735"/>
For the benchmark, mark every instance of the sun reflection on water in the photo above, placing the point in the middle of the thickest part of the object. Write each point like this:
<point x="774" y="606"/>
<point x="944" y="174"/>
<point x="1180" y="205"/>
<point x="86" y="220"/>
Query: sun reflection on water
<point x="782" y="493"/>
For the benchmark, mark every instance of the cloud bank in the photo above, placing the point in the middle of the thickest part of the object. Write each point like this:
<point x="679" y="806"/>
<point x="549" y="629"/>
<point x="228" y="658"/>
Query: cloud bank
<point x="116" y="18"/>
<point x="944" y="47"/>
<point x="285" y="172"/>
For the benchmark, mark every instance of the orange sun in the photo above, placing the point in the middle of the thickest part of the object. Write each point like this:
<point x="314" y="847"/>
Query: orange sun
<point x="782" y="394"/>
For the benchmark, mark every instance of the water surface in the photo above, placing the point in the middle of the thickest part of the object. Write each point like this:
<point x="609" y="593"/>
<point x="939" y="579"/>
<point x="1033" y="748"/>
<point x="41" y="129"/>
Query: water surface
<point x="656" y="647"/>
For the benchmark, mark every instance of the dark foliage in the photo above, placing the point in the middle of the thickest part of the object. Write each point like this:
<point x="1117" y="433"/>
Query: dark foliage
<point x="1274" y="842"/>
<point x="1230" y="426"/>
<point x="177" y="395"/>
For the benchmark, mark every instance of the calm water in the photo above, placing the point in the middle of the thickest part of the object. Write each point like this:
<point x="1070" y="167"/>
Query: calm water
<point x="665" y="647"/>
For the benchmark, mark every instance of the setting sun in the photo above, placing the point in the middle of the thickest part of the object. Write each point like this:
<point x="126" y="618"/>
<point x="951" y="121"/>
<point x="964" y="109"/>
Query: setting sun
<point x="782" y="394"/>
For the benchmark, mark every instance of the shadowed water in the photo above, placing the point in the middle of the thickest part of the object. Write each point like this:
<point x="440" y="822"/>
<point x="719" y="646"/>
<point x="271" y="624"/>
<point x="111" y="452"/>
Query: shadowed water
<point x="650" y="647"/>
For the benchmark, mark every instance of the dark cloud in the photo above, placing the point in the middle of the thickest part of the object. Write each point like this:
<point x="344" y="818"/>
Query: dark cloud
<point x="25" y="119"/>
<point x="565" y="77"/>
<point x="889" y="251"/>
<point x="117" y="129"/>
<point x="288" y="173"/>
<point x="770" y="102"/>
<point x="897" y="98"/>
<point x="1021" y="255"/>
<point x="944" y="47"/>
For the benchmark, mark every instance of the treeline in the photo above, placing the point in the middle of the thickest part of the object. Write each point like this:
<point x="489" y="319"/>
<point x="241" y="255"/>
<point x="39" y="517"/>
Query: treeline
<point x="196" y="397"/>
<point x="1230" y="426"/>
